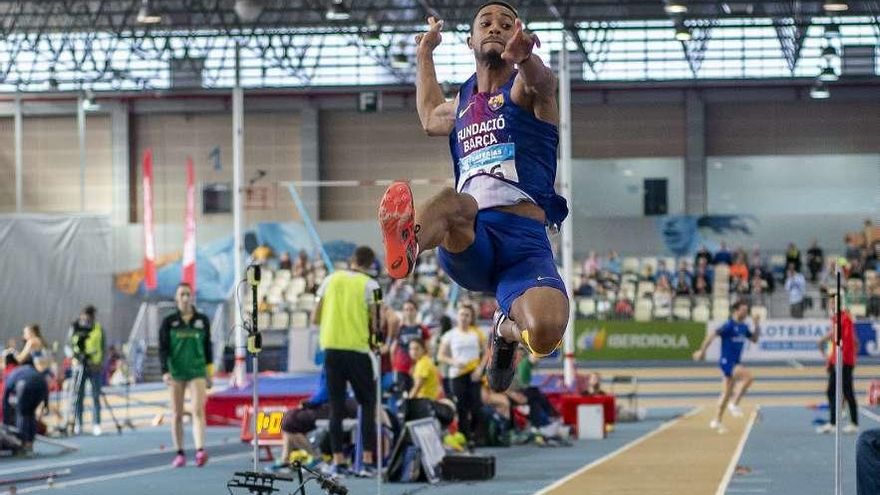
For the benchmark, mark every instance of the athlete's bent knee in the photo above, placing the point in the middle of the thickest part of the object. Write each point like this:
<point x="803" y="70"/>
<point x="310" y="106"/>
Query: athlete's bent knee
<point x="542" y="338"/>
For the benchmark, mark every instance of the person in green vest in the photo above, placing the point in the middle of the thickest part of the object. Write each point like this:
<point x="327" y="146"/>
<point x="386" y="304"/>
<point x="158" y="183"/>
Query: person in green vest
<point x="345" y="312"/>
<point x="85" y="344"/>
<point x="186" y="355"/>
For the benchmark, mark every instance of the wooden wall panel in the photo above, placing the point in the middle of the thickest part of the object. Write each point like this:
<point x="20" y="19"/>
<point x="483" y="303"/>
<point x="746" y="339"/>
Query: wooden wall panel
<point x="798" y="128"/>
<point x="386" y="145"/>
<point x="619" y="131"/>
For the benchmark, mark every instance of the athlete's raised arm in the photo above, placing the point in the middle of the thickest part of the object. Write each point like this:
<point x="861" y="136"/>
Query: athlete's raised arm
<point x="437" y="114"/>
<point x="535" y="85"/>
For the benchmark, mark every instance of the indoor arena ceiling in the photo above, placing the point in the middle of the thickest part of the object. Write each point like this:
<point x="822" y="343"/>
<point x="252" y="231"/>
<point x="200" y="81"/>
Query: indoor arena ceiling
<point x="62" y="45"/>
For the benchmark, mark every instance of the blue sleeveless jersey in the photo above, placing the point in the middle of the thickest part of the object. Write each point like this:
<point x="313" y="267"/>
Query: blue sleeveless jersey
<point x="494" y="136"/>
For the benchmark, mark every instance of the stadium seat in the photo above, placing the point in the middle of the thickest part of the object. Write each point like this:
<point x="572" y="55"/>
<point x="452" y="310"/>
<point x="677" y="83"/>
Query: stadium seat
<point x="681" y="308"/>
<point x="628" y="290"/>
<point x="759" y="311"/>
<point x="662" y="312"/>
<point x="299" y="319"/>
<point x="858" y="310"/>
<point x="264" y="319"/>
<point x="644" y="308"/>
<point x="306" y="302"/>
<point x="586" y="307"/>
<point x="645" y="289"/>
<point x="630" y="265"/>
<point x="854" y="286"/>
<point x="280" y="320"/>
<point x="700" y="313"/>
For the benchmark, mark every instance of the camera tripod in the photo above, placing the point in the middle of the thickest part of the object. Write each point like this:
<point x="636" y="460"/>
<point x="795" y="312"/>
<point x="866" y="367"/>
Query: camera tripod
<point x="78" y="378"/>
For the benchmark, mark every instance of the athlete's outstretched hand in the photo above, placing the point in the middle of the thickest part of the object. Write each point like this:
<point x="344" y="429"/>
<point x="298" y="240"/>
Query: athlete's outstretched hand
<point x="426" y="42"/>
<point x="519" y="47"/>
<point x="699" y="355"/>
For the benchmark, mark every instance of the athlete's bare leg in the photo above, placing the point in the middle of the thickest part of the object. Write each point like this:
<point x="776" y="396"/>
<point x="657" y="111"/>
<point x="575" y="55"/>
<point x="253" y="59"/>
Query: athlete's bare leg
<point x="446" y="219"/>
<point x="744" y="379"/>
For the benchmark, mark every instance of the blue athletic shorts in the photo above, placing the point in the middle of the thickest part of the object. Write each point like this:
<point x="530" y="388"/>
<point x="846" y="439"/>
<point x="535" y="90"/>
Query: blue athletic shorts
<point x="727" y="366"/>
<point x="510" y="255"/>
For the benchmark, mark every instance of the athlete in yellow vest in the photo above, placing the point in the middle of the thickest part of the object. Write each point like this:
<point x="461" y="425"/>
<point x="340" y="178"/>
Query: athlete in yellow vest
<point x="344" y="313"/>
<point x="86" y="346"/>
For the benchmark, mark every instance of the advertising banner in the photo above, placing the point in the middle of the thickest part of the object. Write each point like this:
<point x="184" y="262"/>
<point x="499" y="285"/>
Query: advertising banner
<point x="637" y="340"/>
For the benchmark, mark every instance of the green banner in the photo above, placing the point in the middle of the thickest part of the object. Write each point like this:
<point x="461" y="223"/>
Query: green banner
<point x="637" y="340"/>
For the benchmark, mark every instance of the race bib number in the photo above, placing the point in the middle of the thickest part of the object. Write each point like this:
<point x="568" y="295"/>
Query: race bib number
<point x="498" y="160"/>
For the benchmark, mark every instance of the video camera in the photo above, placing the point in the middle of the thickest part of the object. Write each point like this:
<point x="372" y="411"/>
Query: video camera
<point x="78" y="340"/>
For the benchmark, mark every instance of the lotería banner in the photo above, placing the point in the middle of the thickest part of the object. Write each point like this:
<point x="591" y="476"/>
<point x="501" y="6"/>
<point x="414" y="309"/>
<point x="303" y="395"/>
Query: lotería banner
<point x="780" y="340"/>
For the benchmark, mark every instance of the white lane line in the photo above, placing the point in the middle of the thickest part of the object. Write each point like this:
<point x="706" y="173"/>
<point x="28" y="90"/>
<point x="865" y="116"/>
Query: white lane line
<point x="87" y="460"/>
<point x="124" y="474"/>
<point x="607" y="457"/>
<point x="870" y="414"/>
<point x="747" y="490"/>
<point x="728" y="475"/>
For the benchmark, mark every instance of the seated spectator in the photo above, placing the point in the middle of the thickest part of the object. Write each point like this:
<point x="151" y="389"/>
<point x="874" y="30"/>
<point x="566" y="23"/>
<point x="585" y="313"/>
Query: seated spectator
<point x="591" y="265"/>
<point x="594" y="385"/>
<point x="586" y="287"/>
<point x="870" y="233"/>
<point x="648" y="273"/>
<point x="301" y="265"/>
<point x="815" y="260"/>
<point x="410" y="329"/>
<point x="541" y="412"/>
<point x="399" y="293"/>
<point x="702" y="277"/>
<point x="261" y="254"/>
<point x="662" y="270"/>
<point x="755" y="260"/>
<point x="703" y="254"/>
<point x="853" y="250"/>
<point x="623" y="308"/>
<point x="683" y="276"/>
<point x="663" y="293"/>
<point x="701" y="286"/>
<point x="284" y="262"/>
<point x="426" y="378"/>
<point x="793" y="256"/>
<point x="758" y="288"/>
<point x="683" y="286"/>
<point x="874" y="299"/>
<point x="856" y="269"/>
<point x="722" y="256"/>
<point x="265" y="306"/>
<point x="739" y="272"/>
<point x="612" y="264"/>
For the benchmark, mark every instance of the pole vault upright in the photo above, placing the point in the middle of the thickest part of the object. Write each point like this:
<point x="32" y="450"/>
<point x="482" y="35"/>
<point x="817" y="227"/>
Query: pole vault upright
<point x="567" y="251"/>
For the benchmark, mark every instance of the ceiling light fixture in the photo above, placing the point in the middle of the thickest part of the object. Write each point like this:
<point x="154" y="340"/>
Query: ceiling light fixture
<point x="682" y="33"/>
<point x="248" y="10"/>
<point x="835" y="6"/>
<point x="819" y="91"/>
<point x="338" y="11"/>
<point x="675" y="7"/>
<point x="146" y="15"/>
